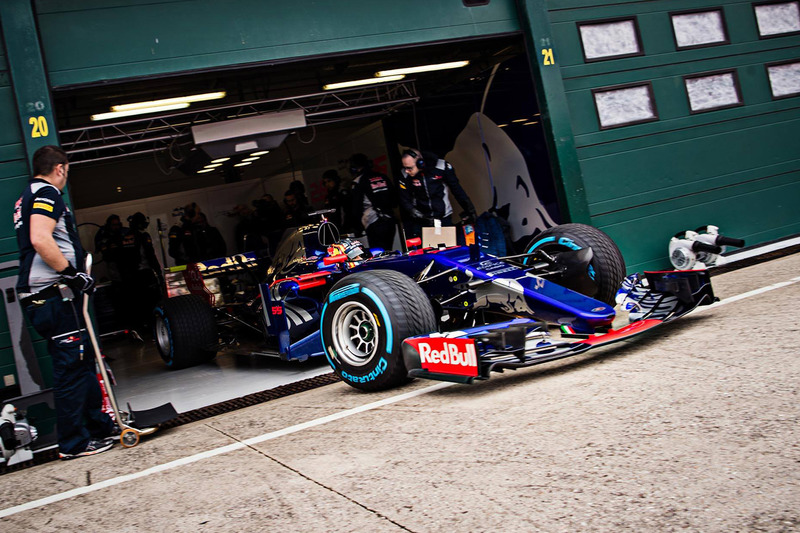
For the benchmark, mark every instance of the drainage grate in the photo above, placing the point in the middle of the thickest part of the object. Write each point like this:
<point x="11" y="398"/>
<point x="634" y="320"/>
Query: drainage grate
<point x="251" y="399"/>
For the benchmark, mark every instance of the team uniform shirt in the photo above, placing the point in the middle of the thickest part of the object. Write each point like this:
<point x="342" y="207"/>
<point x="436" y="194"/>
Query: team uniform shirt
<point x="374" y="195"/>
<point x="428" y="191"/>
<point x="42" y="198"/>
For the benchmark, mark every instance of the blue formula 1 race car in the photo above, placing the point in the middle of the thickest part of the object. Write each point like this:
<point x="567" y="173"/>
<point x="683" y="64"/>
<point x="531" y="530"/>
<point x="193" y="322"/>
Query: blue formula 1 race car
<point x="448" y="313"/>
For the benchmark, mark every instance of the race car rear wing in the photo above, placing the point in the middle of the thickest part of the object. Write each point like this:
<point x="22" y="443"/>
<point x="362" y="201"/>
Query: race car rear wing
<point x="464" y="356"/>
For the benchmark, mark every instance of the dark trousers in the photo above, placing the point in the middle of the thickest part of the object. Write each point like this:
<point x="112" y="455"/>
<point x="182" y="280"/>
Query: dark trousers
<point x="380" y="234"/>
<point x="77" y="393"/>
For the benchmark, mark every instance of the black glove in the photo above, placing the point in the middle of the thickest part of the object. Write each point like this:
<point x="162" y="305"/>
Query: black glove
<point x="416" y="214"/>
<point x="469" y="216"/>
<point x="77" y="281"/>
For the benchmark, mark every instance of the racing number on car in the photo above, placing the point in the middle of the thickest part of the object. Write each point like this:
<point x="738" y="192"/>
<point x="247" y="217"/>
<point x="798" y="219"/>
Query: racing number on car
<point x="548" y="56"/>
<point x="39" y="127"/>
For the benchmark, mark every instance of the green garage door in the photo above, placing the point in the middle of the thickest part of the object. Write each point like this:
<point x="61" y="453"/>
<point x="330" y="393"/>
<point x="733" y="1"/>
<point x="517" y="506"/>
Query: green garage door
<point x="685" y="113"/>
<point x="85" y="41"/>
<point x="13" y="176"/>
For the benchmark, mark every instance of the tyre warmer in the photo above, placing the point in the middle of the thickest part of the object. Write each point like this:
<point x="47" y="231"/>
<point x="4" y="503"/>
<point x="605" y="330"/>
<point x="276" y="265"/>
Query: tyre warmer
<point x="464" y="356"/>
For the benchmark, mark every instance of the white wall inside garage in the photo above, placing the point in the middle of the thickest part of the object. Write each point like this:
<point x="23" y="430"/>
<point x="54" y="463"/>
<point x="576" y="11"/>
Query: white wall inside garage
<point x="218" y="200"/>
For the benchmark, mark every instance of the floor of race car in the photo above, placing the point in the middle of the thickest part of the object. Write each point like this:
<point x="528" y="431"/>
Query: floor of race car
<point x="145" y="382"/>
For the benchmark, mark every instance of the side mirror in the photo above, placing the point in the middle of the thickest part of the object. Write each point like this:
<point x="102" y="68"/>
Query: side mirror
<point x="416" y="241"/>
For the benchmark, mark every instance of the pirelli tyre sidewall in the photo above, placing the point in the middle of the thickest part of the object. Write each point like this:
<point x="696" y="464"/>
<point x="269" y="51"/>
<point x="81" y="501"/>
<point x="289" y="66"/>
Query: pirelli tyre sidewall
<point x="365" y="318"/>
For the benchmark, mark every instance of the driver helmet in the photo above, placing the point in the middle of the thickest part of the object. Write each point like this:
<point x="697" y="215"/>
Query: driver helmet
<point x="352" y="248"/>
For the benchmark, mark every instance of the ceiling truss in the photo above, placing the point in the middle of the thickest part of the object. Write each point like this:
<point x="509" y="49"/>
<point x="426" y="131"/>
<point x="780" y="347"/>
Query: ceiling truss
<point x="111" y="141"/>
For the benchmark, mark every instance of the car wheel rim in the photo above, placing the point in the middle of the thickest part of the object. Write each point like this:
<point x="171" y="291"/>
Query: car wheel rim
<point x="162" y="335"/>
<point x="355" y="333"/>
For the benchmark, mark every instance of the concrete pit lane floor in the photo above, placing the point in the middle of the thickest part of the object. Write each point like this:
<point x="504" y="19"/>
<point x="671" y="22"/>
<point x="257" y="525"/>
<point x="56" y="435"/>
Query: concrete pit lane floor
<point x="145" y="382"/>
<point x="694" y="427"/>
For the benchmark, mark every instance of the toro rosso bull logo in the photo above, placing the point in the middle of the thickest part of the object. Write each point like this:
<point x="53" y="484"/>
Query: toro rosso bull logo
<point x="447" y="356"/>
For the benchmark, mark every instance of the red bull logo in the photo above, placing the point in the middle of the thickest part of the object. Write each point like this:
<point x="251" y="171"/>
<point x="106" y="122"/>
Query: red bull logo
<point x="447" y="356"/>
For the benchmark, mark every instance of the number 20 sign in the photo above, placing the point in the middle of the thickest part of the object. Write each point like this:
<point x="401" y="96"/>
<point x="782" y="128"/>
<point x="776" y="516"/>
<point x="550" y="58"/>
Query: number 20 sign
<point x="39" y="127"/>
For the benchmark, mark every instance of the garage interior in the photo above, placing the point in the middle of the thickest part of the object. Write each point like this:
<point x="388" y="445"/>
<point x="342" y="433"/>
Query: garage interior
<point x="146" y="162"/>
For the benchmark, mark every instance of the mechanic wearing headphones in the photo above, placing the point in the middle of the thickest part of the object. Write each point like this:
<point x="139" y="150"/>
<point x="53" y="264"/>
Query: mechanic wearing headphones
<point x="373" y="197"/>
<point x="49" y="251"/>
<point x="424" y="183"/>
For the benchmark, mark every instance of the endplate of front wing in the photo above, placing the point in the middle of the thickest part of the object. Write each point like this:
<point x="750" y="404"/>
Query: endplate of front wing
<point x="464" y="356"/>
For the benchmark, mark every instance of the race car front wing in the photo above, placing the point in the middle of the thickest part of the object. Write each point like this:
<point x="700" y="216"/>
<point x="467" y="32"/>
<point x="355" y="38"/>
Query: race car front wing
<point x="464" y="356"/>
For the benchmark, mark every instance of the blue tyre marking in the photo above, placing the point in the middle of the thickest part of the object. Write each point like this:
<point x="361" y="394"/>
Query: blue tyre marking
<point x="324" y="348"/>
<point x="569" y="243"/>
<point x="539" y="243"/>
<point x="385" y="315"/>
<point x="564" y="241"/>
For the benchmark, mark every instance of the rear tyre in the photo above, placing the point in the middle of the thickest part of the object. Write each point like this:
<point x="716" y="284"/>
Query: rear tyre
<point x="365" y="318"/>
<point x="185" y="331"/>
<point x="607" y="267"/>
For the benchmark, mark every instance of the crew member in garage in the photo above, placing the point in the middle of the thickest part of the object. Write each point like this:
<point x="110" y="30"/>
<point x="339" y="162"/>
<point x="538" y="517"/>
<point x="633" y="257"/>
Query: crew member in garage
<point x="195" y="240"/>
<point x="339" y="199"/>
<point x="269" y="221"/>
<point x="424" y="183"/>
<point x="146" y="277"/>
<point x="295" y="212"/>
<point x="51" y="288"/>
<point x="374" y="197"/>
<point x="108" y="243"/>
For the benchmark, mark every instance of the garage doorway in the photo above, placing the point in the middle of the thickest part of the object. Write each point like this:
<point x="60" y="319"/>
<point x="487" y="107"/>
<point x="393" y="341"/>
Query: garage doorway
<point x="482" y="117"/>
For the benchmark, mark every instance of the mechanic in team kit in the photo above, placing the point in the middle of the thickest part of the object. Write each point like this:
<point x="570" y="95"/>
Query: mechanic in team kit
<point x="374" y="197"/>
<point x="295" y="210"/>
<point x="51" y="291"/>
<point x="423" y="191"/>
<point x="338" y="198"/>
<point x="195" y="240"/>
<point x="108" y="243"/>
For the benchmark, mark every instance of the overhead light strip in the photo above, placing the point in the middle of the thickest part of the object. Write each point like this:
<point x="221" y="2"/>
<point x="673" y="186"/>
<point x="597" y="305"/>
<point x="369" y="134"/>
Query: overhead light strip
<point x="143" y="111"/>
<point x="358" y="83"/>
<point x="169" y="101"/>
<point x="421" y="68"/>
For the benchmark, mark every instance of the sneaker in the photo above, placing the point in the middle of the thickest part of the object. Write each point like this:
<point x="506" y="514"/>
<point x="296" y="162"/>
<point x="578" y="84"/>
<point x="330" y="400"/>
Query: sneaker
<point x="93" y="448"/>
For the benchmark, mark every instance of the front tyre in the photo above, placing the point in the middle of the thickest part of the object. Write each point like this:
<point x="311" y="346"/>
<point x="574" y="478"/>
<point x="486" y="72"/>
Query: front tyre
<point x="185" y="331"/>
<point x="365" y="318"/>
<point x="607" y="267"/>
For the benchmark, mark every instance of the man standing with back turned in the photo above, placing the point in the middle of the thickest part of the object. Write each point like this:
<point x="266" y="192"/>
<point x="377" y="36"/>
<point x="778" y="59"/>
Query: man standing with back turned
<point x="51" y="291"/>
